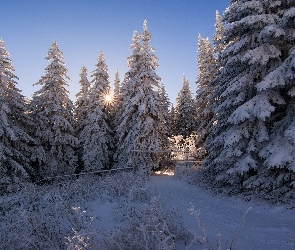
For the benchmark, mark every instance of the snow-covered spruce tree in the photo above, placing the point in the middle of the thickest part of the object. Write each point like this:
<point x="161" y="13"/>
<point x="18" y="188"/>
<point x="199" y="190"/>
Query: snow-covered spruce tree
<point x="165" y="104"/>
<point x="277" y="178"/>
<point x="172" y="121"/>
<point x="117" y="101"/>
<point x="96" y="137"/>
<point x="164" y="159"/>
<point x="52" y="110"/>
<point x="142" y="123"/>
<point x="18" y="150"/>
<point x="218" y="38"/>
<point x="117" y="84"/>
<point x="250" y="97"/>
<point x="185" y="120"/>
<point x="81" y="111"/>
<point x="207" y="73"/>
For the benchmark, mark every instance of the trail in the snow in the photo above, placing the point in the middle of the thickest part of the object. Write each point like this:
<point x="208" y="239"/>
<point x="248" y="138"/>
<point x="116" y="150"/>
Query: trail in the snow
<point x="266" y="227"/>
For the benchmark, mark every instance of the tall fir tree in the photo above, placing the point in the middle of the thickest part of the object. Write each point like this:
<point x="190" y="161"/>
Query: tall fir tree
<point x="251" y="97"/>
<point x="117" y="101"/>
<point x="81" y="112"/>
<point x="185" y="120"/>
<point x="53" y="110"/>
<point x="277" y="177"/>
<point x="167" y="126"/>
<point x="218" y="38"/>
<point x="141" y="124"/>
<point x="117" y="85"/>
<point x="172" y="121"/>
<point x="96" y="137"/>
<point x="81" y="105"/>
<point x="207" y="73"/>
<point x="18" y="150"/>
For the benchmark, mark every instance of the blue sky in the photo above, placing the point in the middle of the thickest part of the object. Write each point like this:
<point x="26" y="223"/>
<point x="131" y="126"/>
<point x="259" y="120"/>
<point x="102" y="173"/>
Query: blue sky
<point x="84" y="27"/>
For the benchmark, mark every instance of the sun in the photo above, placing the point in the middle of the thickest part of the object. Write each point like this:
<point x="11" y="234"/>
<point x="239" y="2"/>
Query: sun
<point x="108" y="98"/>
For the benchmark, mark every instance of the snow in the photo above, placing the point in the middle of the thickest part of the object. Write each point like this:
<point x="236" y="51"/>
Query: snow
<point x="134" y="213"/>
<point x="266" y="227"/>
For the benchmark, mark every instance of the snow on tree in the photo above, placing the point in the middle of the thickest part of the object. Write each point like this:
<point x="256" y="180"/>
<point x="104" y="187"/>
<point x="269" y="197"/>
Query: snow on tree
<point x="277" y="179"/>
<point x="251" y="98"/>
<point x="18" y="150"/>
<point x="117" y="84"/>
<point x="142" y="123"/>
<point x="219" y="34"/>
<point x="165" y="104"/>
<point x="167" y="126"/>
<point x="81" y="110"/>
<point x="185" y="120"/>
<point x="117" y="101"/>
<point x="81" y="105"/>
<point x="100" y="91"/>
<point x="96" y="136"/>
<point x="207" y="73"/>
<point x="52" y="110"/>
<point x="172" y="121"/>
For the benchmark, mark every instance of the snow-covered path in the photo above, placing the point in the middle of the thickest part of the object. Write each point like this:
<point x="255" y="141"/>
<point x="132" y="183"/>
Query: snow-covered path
<point x="265" y="227"/>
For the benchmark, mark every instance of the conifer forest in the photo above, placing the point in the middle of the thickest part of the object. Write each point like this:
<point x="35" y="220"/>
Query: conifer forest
<point x="66" y="164"/>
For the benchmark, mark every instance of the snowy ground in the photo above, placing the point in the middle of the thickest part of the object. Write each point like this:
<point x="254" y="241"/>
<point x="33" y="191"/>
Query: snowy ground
<point x="146" y="213"/>
<point x="265" y="227"/>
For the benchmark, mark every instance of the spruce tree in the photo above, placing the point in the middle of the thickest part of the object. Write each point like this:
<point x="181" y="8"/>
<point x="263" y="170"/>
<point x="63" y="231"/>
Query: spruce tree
<point x="277" y="177"/>
<point x="141" y="124"/>
<point x="185" y="120"/>
<point x="172" y="121"/>
<point x="18" y="150"/>
<point x="117" y="101"/>
<point x="117" y="85"/>
<point x="81" y="105"/>
<point x="219" y="35"/>
<point x="207" y="73"/>
<point x="167" y="126"/>
<point x="81" y="111"/>
<point x="96" y="137"/>
<point x="53" y="110"/>
<point x="251" y="98"/>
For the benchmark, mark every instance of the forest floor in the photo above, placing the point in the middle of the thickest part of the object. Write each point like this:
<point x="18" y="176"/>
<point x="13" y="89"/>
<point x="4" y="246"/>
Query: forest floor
<point x="125" y="209"/>
<point x="233" y="222"/>
<point x="263" y="227"/>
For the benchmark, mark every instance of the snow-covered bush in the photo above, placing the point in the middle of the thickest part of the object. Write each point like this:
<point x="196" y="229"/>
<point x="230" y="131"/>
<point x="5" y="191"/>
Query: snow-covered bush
<point x="39" y="222"/>
<point x="131" y="185"/>
<point x="41" y="217"/>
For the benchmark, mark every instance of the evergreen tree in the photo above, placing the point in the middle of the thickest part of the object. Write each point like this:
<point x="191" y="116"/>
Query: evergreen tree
<point x="219" y="35"/>
<point x="277" y="177"/>
<point x="172" y="121"/>
<point x="207" y="73"/>
<point x="18" y="150"/>
<point x="185" y="120"/>
<point x="117" y="85"/>
<point x="81" y="105"/>
<point x="167" y="126"/>
<point x="250" y="98"/>
<point x="81" y="111"/>
<point x="53" y="111"/>
<point x="96" y="136"/>
<point x="142" y="123"/>
<point x="117" y="101"/>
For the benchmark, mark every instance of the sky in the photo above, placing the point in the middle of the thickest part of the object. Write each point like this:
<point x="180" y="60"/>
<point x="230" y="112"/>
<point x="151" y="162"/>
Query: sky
<point x="82" y="28"/>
